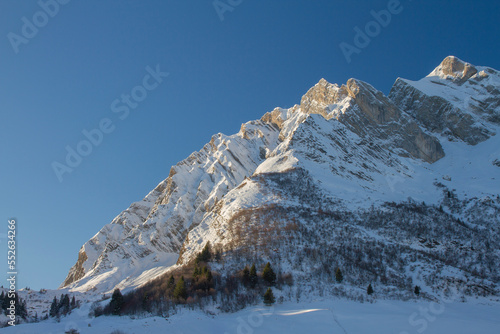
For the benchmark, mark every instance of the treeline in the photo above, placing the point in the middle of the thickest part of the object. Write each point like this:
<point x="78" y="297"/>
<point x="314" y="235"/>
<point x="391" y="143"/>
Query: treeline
<point x="8" y="299"/>
<point x="187" y="285"/>
<point x="195" y="285"/>
<point x="63" y="306"/>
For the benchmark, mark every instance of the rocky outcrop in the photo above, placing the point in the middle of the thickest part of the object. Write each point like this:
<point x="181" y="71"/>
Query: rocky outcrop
<point x="276" y="117"/>
<point x="77" y="271"/>
<point x="322" y="98"/>
<point x="370" y="114"/>
<point x="454" y="69"/>
<point x="438" y="115"/>
<point x="388" y="122"/>
<point x="455" y="100"/>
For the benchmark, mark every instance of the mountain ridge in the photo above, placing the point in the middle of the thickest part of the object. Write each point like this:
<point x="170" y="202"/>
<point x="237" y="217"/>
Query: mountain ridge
<point x="351" y="145"/>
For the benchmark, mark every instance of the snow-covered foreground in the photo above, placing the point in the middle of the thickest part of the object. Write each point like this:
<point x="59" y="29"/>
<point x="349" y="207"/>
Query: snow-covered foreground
<point x="311" y="317"/>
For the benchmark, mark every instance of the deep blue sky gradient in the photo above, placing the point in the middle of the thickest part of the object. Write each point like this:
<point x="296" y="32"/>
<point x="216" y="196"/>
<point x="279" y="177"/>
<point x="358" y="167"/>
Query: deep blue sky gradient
<point x="263" y="54"/>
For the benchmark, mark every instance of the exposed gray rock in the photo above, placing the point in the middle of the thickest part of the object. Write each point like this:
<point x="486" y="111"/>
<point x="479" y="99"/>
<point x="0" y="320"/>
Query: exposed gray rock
<point x="454" y="100"/>
<point x="370" y="114"/>
<point x="320" y="98"/>
<point x="77" y="271"/>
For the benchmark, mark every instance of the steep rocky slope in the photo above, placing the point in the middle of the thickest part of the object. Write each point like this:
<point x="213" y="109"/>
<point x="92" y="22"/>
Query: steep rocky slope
<point x="457" y="99"/>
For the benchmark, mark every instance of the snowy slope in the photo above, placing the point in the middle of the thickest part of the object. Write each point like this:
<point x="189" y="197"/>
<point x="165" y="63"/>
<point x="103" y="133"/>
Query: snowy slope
<point x="144" y="240"/>
<point x="315" y="317"/>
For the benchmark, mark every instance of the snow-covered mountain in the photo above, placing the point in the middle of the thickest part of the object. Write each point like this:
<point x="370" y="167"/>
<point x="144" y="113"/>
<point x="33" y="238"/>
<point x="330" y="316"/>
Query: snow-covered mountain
<point x="397" y="189"/>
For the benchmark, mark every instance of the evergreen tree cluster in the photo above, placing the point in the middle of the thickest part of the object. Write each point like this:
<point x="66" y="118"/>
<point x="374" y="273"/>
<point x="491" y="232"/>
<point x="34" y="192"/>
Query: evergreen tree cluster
<point x="202" y="279"/>
<point x="21" y="308"/>
<point x="250" y="278"/>
<point x="205" y="255"/>
<point x="63" y="306"/>
<point x="180" y="289"/>
<point x="193" y="283"/>
<point x="114" y="307"/>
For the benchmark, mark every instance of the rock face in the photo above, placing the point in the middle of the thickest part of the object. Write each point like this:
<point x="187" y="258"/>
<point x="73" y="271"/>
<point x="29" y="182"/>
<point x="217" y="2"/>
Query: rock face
<point x="349" y="143"/>
<point x="77" y="271"/>
<point x="457" y="100"/>
<point x="371" y="115"/>
<point x="454" y="69"/>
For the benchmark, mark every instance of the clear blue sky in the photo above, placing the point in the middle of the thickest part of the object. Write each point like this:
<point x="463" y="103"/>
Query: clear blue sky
<point x="222" y="73"/>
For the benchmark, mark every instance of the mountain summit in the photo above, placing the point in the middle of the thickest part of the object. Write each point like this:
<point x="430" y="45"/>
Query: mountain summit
<point x="395" y="189"/>
<point x="456" y="99"/>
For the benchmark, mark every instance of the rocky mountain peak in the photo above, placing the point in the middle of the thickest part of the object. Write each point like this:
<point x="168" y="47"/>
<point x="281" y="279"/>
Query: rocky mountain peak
<point x="457" y="100"/>
<point x="318" y="99"/>
<point x="452" y="68"/>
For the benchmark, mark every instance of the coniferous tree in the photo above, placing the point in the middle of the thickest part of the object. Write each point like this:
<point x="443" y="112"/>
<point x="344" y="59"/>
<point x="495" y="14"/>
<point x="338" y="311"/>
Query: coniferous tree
<point x="246" y="276"/>
<point x="60" y="305"/>
<point x="73" y="303"/>
<point x="170" y="287"/>
<point x="5" y="303"/>
<point x="116" y="302"/>
<point x="207" y="279"/>
<point x="205" y="255"/>
<point x="64" y="304"/>
<point x="253" y="276"/>
<point x="338" y="276"/>
<point x="209" y="276"/>
<point x="218" y="255"/>
<point x="369" y="290"/>
<point x="145" y="303"/>
<point x="2" y="298"/>
<point x="180" y="289"/>
<point x="268" y="274"/>
<point x="269" y="297"/>
<point x="196" y="272"/>
<point x="54" y="308"/>
<point x="22" y="310"/>
<point x="417" y="290"/>
<point x="171" y="281"/>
